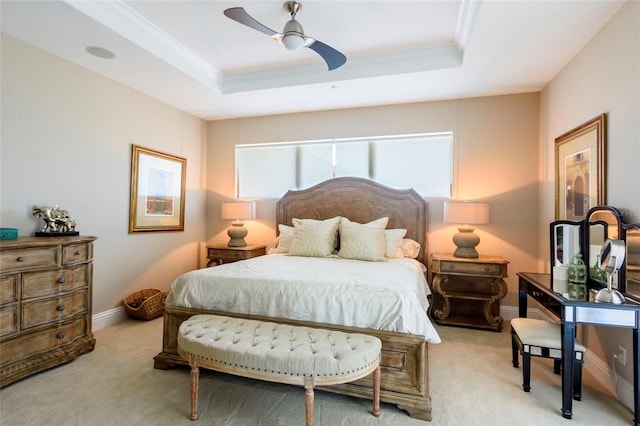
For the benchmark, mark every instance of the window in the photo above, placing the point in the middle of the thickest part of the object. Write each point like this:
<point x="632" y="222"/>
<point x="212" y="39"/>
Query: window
<point x="423" y="162"/>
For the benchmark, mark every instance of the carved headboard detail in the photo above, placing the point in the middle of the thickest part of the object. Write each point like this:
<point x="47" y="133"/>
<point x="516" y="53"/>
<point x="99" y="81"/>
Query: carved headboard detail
<point x="360" y="200"/>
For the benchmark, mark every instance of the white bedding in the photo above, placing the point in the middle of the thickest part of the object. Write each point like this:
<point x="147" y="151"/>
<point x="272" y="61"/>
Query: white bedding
<point x="376" y="295"/>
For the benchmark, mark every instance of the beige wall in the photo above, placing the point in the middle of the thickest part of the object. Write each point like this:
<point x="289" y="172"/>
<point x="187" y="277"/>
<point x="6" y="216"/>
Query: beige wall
<point x="603" y="78"/>
<point x="66" y="140"/>
<point x="496" y="145"/>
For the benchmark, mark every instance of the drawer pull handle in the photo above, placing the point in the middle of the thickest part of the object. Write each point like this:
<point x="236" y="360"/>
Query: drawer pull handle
<point x="60" y="335"/>
<point x="486" y="269"/>
<point x="77" y="253"/>
<point x="20" y="259"/>
<point x="62" y="280"/>
<point x="60" y="308"/>
<point x="452" y="267"/>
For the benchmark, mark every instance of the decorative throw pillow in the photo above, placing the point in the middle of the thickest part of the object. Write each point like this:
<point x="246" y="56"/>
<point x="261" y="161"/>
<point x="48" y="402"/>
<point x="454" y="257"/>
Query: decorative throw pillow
<point x="314" y="238"/>
<point x="362" y="241"/>
<point x="393" y="242"/>
<point x="285" y="238"/>
<point x="410" y="248"/>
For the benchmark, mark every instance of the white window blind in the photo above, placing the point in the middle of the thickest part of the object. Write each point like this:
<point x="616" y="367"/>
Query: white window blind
<point x="423" y="162"/>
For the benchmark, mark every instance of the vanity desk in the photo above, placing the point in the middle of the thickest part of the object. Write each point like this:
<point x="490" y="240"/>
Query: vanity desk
<point x="571" y="313"/>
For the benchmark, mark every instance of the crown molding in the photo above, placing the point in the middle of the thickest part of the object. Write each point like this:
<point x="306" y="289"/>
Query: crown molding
<point x="357" y="67"/>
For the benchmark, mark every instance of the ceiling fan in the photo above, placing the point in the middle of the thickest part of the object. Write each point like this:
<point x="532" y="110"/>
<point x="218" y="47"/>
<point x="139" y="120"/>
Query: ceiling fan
<point x="292" y="36"/>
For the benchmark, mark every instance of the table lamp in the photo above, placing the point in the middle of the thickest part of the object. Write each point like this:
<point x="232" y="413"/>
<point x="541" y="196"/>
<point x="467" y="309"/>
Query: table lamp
<point x="238" y="212"/>
<point x="466" y="214"/>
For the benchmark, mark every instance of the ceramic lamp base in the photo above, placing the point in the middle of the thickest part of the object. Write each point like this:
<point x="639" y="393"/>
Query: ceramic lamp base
<point x="236" y="233"/>
<point x="466" y="241"/>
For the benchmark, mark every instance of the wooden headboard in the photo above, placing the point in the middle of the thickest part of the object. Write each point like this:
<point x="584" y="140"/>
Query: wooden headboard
<point x="360" y="200"/>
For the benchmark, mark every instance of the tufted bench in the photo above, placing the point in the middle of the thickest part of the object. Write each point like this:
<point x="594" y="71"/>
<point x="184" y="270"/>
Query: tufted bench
<point x="279" y="353"/>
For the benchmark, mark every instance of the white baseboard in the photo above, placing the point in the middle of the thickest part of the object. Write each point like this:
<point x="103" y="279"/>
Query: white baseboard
<point x="597" y="367"/>
<point x="107" y="318"/>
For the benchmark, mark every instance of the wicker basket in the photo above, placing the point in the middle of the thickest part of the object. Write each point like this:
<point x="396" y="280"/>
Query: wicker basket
<point x="145" y="304"/>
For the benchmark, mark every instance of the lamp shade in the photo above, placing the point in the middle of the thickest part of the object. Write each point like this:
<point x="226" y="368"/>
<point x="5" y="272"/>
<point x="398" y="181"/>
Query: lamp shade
<point x="239" y="211"/>
<point x="466" y="213"/>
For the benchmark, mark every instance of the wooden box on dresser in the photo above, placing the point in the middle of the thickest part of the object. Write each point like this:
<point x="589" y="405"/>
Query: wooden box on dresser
<point x="45" y="303"/>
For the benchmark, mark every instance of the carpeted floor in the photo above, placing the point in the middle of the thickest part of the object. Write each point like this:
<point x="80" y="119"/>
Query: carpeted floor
<point x="472" y="383"/>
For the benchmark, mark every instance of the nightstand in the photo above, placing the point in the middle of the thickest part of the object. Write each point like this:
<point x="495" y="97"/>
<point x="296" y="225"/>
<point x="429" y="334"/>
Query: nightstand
<point x="218" y="255"/>
<point x="467" y="292"/>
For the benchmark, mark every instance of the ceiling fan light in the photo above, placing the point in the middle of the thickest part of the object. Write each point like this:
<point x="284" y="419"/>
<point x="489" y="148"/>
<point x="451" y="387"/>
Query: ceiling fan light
<point x="293" y="41"/>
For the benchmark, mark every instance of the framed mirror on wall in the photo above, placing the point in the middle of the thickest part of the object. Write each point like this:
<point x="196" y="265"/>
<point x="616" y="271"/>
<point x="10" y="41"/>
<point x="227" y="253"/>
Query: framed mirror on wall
<point x="580" y="169"/>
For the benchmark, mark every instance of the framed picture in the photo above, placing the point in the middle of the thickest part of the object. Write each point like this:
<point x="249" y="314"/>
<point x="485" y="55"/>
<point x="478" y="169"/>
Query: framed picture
<point x="580" y="169"/>
<point x="157" y="191"/>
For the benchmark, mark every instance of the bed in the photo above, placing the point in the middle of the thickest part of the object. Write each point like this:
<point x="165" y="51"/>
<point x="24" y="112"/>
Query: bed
<point x="404" y="362"/>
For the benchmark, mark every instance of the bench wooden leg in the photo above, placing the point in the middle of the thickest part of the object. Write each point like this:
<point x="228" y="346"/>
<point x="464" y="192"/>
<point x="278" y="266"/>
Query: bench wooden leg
<point x="308" y="400"/>
<point x="376" y="391"/>
<point x="195" y="376"/>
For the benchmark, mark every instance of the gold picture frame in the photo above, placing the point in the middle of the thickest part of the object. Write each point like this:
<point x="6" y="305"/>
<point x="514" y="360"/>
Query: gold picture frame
<point x="157" y="191"/>
<point x="580" y="169"/>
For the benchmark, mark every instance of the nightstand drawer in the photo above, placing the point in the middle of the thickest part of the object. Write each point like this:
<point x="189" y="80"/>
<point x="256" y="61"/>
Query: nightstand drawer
<point x="219" y="255"/>
<point x="230" y="255"/>
<point x="470" y="268"/>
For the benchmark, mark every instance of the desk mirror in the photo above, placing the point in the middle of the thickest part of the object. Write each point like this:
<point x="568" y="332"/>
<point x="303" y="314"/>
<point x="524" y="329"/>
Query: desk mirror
<point x="566" y="243"/>
<point x="632" y="237"/>
<point x="602" y="223"/>
<point x="566" y="240"/>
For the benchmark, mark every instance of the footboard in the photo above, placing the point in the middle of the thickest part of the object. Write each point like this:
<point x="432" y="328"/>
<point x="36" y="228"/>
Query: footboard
<point x="404" y="363"/>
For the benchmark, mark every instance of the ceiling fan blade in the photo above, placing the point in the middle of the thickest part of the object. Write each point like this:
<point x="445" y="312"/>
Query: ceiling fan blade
<point x="331" y="56"/>
<point x="238" y="14"/>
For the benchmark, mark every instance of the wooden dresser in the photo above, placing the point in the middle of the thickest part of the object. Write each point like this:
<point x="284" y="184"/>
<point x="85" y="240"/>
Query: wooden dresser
<point x="45" y="303"/>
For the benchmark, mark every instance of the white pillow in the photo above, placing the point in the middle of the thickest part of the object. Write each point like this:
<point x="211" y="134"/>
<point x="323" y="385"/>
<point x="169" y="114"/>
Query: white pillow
<point x="285" y="238"/>
<point x="314" y="238"/>
<point x="410" y="248"/>
<point x="393" y="242"/>
<point x="362" y="241"/>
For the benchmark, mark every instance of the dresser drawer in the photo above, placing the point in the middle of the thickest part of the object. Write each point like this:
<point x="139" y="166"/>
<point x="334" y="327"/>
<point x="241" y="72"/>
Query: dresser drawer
<point x="8" y="289"/>
<point x="47" y="340"/>
<point x="16" y="260"/>
<point x="53" y="309"/>
<point x="35" y="284"/>
<point x="470" y="268"/>
<point x="8" y="319"/>
<point x="76" y="253"/>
